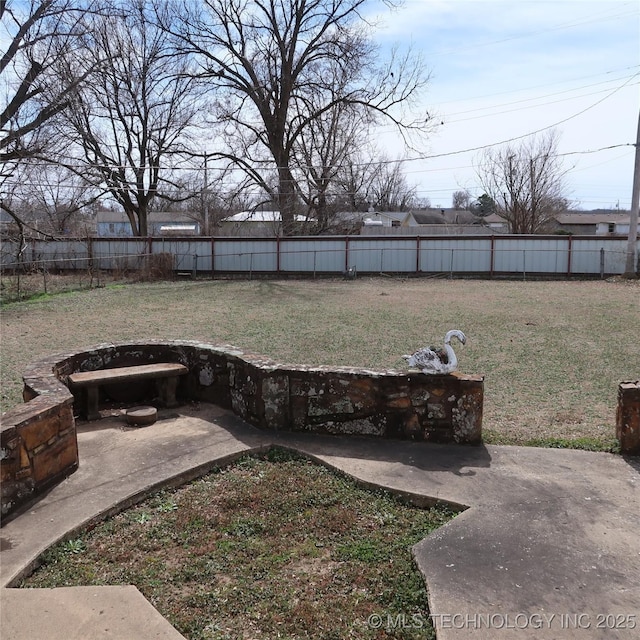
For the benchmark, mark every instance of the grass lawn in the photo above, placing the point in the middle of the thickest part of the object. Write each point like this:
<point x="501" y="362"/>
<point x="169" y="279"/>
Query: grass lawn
<point x="281" y="547"/>
<point x="553" y="353"/>
<point x="277" y="547"/>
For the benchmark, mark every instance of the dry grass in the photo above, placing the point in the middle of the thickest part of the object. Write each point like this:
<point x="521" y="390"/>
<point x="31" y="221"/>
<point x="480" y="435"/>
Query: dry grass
<point x="553" y="353"/>
<point x="267" y="548"/>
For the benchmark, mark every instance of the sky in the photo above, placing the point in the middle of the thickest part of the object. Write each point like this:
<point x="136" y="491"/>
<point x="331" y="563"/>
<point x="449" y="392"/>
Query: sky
<point x="504" y="69"/>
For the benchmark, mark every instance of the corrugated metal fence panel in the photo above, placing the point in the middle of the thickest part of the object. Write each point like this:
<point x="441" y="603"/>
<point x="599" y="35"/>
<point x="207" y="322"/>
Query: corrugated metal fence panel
<point x="531" y="255"/>
<point x="9" y="253"/>
<point x="248" y="254"/>
<point x="380" y="255"/>
<point x="312" y="254"/>
<point x="615" y="256"/>
<point x="457" y="255"/>
<point x="58" y="254"/>
<point x="586" y="255"/>
<point x="188" y="254"/>
<point x="511" y="254"/>
<point x="119" y="253"/>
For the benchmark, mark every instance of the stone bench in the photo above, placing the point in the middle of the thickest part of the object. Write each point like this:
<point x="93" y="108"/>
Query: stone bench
<point x="165" y="373"/>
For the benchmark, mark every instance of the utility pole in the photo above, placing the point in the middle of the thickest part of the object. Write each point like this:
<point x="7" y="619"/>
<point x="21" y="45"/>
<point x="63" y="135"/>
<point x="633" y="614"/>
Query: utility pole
<point x="630" y="266"/>
<point x="206" y="197"/>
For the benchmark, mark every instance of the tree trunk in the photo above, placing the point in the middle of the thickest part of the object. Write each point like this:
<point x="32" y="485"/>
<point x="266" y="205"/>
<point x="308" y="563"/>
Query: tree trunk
<point x="287" y="200"/>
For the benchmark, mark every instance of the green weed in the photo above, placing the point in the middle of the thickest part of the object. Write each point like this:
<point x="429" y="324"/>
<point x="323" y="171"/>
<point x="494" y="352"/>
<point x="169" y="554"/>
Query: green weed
<point x="270" y="547"/>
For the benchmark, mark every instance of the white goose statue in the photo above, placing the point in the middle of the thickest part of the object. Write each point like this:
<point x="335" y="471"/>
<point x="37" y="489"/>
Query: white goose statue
<point x="431" y="360"/>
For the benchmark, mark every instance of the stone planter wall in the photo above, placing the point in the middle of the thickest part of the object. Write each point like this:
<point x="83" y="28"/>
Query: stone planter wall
<point x="38" y="448"/>
<point x="267" y="394"/>
<point x="628" y="418"/>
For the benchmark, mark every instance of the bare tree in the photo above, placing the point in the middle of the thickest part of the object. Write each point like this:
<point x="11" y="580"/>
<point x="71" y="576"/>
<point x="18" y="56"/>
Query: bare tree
<point x="274" y="64"/>
<point x="356" y="174"/>
<point x="133" y="117"/>
<point x="51" y="199"/>
<point x="525" y="182"/>
<point x="461" y="200"/>
<point x="369" y="179"/>
<point x="320" y="154"/>
<point x="389" y="190"/>
<point x="39" y="33"/>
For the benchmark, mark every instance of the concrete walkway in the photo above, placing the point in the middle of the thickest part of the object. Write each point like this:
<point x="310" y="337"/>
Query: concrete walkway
<point x="549" y="547"/>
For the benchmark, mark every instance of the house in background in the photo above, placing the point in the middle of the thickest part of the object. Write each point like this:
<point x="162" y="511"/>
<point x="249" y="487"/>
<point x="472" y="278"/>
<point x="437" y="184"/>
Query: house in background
<point x="594" y="223"/>
<point x="427" y="222"/>
<point x="496" y="223"/>
<point x="7" y="223"/>
<point x="256" y="224"/>
<point x="110" y="224"/>
<point x="383" y="218"/>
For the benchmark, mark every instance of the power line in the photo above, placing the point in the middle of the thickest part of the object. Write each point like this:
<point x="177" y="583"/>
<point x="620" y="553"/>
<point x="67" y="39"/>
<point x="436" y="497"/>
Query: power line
<point x="541" y="86"/>
<point x="526" y="135"/>
<point x="62" y="185"/>
<point x="532" y="106"/>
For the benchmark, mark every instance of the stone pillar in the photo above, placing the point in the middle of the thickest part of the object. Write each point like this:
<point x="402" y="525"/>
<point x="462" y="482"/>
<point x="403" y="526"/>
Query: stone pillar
<point x="628" y="418"/>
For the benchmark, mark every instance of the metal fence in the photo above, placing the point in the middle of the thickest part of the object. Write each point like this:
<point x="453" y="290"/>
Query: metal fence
<point x="494" y="255"/>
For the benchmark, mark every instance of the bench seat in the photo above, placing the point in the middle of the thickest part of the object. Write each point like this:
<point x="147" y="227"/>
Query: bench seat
<point x="165" y="373"/>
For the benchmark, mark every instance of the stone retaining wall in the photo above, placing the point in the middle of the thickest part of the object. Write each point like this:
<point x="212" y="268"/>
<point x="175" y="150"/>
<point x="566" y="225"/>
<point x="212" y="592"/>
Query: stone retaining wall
<point x="39" y="448"/>
<point x="628" y="418"/>
<point x="267" y="394"/>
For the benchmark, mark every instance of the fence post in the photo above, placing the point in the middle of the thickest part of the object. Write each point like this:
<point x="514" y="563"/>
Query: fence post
<point x="417" y="254"/>
<point x="493" y="255"/>
<point x="194" y="269"/>
<point x="524" y="264"/>
<point x="601" y="263"/>
<point x="277" y="254"/>
<point x="346" y="254"/>
<point x="44" y="276"/>
<point x="213" y="257"/>
<point x="314" y="263"/>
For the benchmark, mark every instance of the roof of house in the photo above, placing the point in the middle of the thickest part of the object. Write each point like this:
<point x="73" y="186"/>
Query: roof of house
<point x="430" y="216"/>
<point x="438" y="215"/>
<point x="494" y="218"/>
<point x="389" y="215"/>
<point x="593" y="217"/>
<point x="461" y="216"/>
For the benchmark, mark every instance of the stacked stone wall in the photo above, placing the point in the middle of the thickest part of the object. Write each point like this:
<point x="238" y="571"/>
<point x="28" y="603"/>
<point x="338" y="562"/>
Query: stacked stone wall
<point x="38" y="448"/>
<point x="39" y="444"/>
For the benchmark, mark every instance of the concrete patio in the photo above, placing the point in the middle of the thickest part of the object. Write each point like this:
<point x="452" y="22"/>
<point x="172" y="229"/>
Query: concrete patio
<point x="548" y="548"/>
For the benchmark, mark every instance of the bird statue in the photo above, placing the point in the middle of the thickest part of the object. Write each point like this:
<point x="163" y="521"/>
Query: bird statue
<point x="432" y="360"/>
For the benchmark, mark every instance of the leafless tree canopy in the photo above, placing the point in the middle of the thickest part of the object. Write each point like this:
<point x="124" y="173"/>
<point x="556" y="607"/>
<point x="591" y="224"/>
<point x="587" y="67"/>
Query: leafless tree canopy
<point x="37" y="32"/>
<point x="319" y="156"/>
<point x="525" y="182"/>
<point x="279" y="69"/>
<point x="133" y="115"/>
<point x="112" y="89"/>
<point x="49" y="198"/>
<point x="461" y="200"/>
